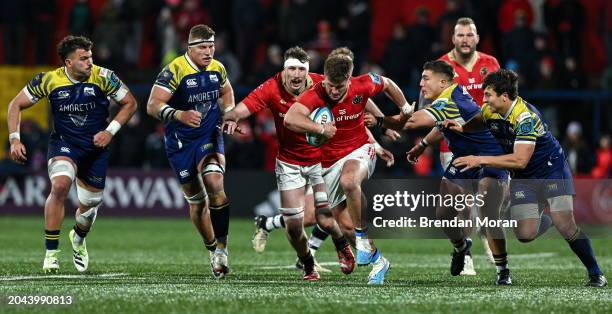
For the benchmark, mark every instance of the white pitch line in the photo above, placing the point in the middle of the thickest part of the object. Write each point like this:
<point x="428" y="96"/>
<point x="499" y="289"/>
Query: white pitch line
<point x="293" y="266"/>
<point x="16" y="278"/>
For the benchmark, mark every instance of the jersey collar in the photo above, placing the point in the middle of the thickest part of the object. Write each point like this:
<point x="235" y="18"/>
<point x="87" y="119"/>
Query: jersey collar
<point x="193" y="65"/>
<point x="511" y="108"/>
<point x="73" y="81"/>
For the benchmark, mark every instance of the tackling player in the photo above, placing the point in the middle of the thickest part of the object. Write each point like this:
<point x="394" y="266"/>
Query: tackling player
<point x="471" y="67"/>
<point x="189" y="96"/>
<point x="452" y="102"/>
<point x="78" y="145"/>
<point x="541" y="172"/>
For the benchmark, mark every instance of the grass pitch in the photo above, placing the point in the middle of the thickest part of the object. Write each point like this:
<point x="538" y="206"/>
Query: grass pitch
<point x="160" y="266"/>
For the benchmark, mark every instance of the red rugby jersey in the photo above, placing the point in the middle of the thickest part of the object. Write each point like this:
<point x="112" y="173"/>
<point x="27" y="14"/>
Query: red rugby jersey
<point x="348" y="115"/>
<point x="472" y="80"/>
<point x="271" y="94"/>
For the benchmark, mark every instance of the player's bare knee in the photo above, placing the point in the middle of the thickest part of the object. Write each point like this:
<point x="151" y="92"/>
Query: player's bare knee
<point x="525" y="235"/>
<point x="60" y="187"/>
<point x="349" y="184"/>
<point x="218" y="198"/>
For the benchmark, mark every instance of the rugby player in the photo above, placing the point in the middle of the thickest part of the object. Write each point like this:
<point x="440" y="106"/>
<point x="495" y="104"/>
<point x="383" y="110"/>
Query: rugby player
<point x="78" y="93"/>
<point x="348" y="156"/>
<point x="539" y="166"/>
<point x="189" y="96"/>
<point x="451" y="101"/>
<point x="298" y="163"/>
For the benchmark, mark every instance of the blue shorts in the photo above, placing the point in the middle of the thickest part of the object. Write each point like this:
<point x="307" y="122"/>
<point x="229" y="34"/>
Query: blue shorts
<point x="455" y="175"/>
<point x="537" y="189"/>
<point x="184" y="160"/>
<point x="91" y="163"/>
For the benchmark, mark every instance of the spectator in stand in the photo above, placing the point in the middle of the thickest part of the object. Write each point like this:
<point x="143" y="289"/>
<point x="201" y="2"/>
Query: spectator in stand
<point x="603" y="162"/>
<point x="578" y="153"/>
<point x="354" y="28"/>
<point x="508" y="11"/>
<point x="399" y="49"/>
<point x="191" y="13"/>
<point x="14" y="30"/>
<point x="227" y="57"/>
<point x="565" y="22"/>
<point x="518" y="46"/>
<point x="81" y="20"/>
<point x="155" y="152"/>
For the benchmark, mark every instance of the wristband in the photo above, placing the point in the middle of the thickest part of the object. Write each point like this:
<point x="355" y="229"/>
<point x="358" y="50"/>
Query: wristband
<point x="14" y="136"/>
<point x="379" y="122"/>
<point x="166" y="113"/>
<point x="228" y="109"/>
<point x="423" y="143"/>
<point x="407" y="109"/>
<point x="113" y="127"/>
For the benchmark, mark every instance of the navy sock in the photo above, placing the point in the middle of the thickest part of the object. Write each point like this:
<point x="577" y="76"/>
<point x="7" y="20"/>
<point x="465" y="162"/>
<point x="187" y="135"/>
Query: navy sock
<point x="219" y="216"/>
<point x="52" y="239"/>
<point x="581" y="245"/>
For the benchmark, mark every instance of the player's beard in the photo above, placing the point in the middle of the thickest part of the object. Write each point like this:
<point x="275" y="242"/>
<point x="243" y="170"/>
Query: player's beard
<point x="465" y="56"/>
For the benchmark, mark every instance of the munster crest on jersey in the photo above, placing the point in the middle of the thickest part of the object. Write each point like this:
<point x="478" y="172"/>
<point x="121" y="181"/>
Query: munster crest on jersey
<point x="484" y="71"/>
<point x="357" y="99"/>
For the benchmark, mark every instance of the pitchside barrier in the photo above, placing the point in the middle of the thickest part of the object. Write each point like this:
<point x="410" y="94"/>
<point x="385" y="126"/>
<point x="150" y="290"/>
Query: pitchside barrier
<point x="136" y="193"/>
<point x="157" y="193"/>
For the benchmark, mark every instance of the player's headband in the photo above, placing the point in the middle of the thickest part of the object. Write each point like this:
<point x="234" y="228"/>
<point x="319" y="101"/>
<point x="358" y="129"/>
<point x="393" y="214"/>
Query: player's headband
<point x="202" y="41"/>
<point x="293" y="62"/>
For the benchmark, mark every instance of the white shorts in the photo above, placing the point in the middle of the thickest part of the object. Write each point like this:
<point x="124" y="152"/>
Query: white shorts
<point x="291" y="177"/>
<point x="365" y="154"/>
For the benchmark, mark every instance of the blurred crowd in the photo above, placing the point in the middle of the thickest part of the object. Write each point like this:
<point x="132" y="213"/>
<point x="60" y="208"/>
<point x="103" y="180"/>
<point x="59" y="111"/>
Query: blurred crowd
<point x="552" y="44"/>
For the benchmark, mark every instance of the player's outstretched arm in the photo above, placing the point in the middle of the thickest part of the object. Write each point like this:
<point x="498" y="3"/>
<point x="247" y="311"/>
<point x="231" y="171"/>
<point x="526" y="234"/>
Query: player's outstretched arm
<point x="20" y="102"/>
<point x="517" y="160"/>
<point x="433" y="137"/>
<point x="374" y="115"/>
<point x="231" y="118"/>
<point x="397" y="96"/>
<point x="128" y="107"/>
<point x="158" y="108"/>
<point x="297" y="120"/>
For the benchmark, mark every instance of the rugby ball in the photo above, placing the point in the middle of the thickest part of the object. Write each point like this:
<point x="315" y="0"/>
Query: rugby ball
<point x="320" y="115"/>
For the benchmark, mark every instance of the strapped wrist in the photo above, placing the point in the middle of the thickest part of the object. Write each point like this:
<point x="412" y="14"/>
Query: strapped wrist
<point x="424" y="143"/>
<point x="167" y="113"/>
<point x="14" y="136"/>
<point x="113" y="127"/>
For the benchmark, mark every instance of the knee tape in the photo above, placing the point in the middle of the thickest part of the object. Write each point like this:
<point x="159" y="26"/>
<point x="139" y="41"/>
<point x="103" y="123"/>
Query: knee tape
<point x="292" y="213"/>
<point x="561" y="203"/>
<point x="213" y="167"/>
<point x="89" y="198"/>
<point x="61" y="168"/>
<point x="197" y="198"/>
<point x="87" y="218"/>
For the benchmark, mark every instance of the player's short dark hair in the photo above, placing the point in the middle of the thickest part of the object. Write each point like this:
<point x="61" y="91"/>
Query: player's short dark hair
<point x="440" y="67"/>
<point x="201" y="31"/>
<point x="502" y="81"/>
<point x="338" y="68"/>
<point x="342" y="51"/>
<point x="70" y="44"/>
<point x="297" y="53"/>
<point x="465" y="21"/>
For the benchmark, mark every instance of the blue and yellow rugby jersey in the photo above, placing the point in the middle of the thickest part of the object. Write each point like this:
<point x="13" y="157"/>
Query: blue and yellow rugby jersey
<point x="80" y="109"/>
<point x="455" y="103"/>
<point x="192" y="89"/>
<point x="523" y="124"/>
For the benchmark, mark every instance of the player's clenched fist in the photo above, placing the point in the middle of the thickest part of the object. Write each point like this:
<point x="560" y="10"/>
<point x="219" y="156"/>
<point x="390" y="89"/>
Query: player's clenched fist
<point x="190" y="118"/>
<point x="329" y="130"/>
<point x="18" y="151"/>
<point x="102" y="138"/>
<point x="369" y="119"/>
